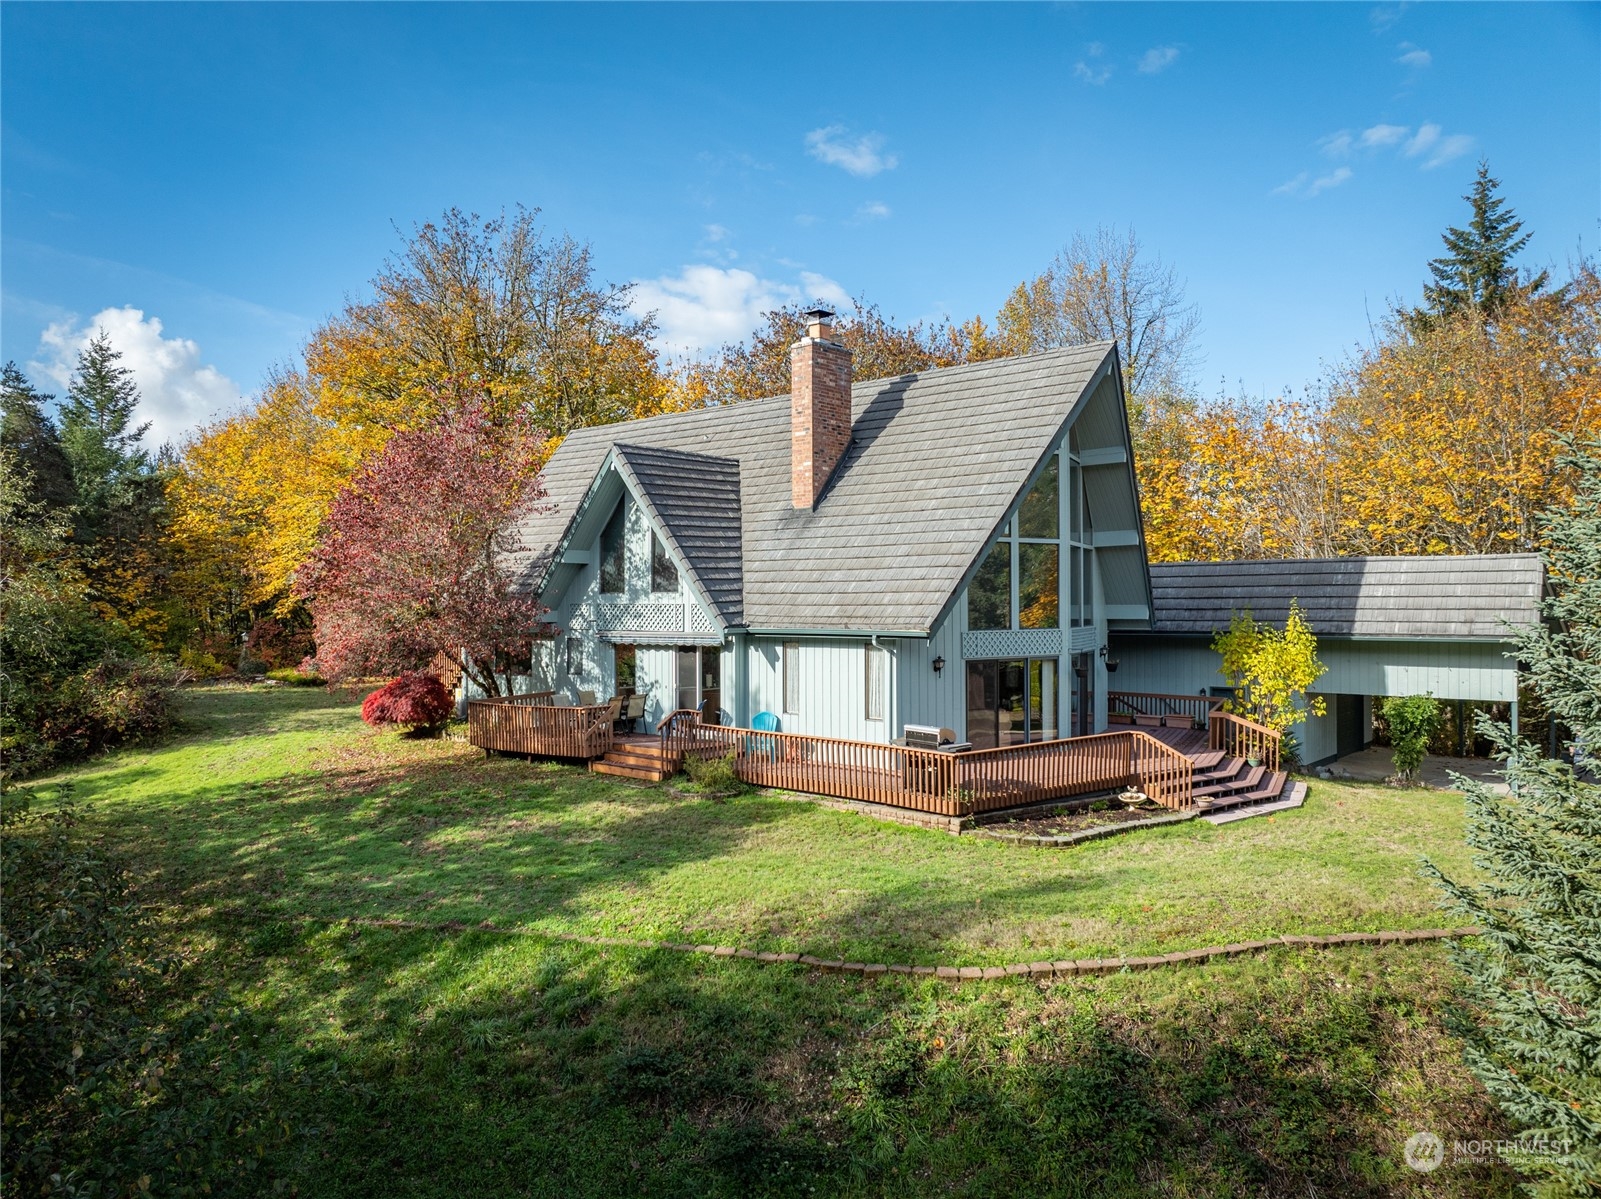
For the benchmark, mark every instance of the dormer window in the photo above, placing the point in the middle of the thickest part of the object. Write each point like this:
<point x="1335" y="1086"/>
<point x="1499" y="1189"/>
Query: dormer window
<point x="663" y="574"/>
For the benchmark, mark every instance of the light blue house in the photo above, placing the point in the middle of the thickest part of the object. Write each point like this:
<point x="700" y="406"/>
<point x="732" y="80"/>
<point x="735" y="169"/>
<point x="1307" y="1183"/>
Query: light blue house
<point x="959" y="548"/>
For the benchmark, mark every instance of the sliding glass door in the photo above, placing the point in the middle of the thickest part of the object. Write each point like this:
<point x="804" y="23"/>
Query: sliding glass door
<point x="1011" y="702"/>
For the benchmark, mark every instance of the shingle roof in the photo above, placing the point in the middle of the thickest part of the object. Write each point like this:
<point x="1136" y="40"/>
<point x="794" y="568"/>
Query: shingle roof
<point x="934" y="462"/>
<point x="1467" y="597"/>
<point x="694" y="500"/>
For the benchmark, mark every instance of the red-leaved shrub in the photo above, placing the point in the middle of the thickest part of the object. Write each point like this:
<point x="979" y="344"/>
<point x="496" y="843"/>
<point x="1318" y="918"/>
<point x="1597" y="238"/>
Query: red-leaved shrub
<point x="416" y="699"/>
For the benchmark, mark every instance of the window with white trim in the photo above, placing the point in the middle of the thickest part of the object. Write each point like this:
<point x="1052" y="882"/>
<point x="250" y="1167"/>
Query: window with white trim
<point x="875" y="672"/>
<point x="789" y="668"/>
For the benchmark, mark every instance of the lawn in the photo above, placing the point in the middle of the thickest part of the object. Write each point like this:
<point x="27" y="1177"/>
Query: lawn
<point x="438" y="1063"/>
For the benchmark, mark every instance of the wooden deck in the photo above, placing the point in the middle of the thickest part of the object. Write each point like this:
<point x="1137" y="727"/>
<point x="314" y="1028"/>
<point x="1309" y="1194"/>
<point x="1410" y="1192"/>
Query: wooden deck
<point x="533" y="725"/>
<point x="1165" y="755"/>
<point x="946" y="784"/>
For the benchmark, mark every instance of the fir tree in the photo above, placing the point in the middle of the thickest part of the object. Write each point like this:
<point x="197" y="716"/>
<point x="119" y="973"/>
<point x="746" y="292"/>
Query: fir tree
<point x="27" y="430"/>
<point x="1534" y="976"/>
<point x="1478" y="273"/>
<point x="99" y="436"/>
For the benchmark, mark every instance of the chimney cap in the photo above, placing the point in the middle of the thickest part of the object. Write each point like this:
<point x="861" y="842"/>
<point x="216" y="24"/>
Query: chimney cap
<point x="819" y="322"/>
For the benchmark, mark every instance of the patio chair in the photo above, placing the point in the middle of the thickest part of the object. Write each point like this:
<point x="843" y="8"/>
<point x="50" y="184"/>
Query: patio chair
<point x="766" y="747"/>
<point x="586" y="699"/>
<point x="633" y="713"/>
<point x="709" y="713"/>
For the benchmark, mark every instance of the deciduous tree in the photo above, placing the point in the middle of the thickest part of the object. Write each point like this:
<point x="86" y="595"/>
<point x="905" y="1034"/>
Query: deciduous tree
<point x="1271" y="669"/>
<point x="418" y="552"/>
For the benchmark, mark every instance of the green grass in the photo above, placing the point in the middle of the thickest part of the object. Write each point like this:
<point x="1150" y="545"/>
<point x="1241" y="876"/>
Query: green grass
<point x="477" y="1063"/>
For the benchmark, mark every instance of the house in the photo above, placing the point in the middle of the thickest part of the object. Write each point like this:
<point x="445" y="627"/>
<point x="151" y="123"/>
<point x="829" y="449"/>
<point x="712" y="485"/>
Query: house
<point x="1433" y="625"/>
<point x="958" y="548"/>
<point x="950" y="548"/>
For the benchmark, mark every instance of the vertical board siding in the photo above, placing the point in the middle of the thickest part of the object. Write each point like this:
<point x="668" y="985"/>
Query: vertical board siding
<point x="830" y="684"/>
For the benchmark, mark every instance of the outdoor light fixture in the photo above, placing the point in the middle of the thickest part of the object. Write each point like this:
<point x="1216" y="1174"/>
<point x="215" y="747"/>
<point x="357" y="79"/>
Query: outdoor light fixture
<point x="1111" y="663"/>
<point x="939" y="664"/>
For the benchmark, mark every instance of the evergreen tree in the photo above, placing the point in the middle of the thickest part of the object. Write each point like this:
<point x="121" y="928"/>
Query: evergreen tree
<point x="1534" y="976"/>
<point x="99" y="436"/>
<point x="1477" y="273"/>
<point x="27" y="430"/>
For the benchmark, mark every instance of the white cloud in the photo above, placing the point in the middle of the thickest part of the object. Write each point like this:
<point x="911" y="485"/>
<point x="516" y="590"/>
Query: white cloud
<point x="1323" y="183"/>
<point x="1337" y="145"/>
<point x="1382" y="135"/>
<point x="1096" y="76"/>
<point x="862" y="156"/>
<point x="716" y="233"/>
<point x="1414" y="56"/>
<point x="1158" y="58"/>
<point x="703" y="307"/>
<point x="875" y="210"/>
<point x="1293" y="186"/>
<point x="176" y="390"/>
<point x="1436" y="150"/>
<point x="1304" y="186"/>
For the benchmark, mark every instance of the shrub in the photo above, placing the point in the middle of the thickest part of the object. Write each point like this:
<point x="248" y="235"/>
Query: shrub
<point x="713" y="774"/>
<point x="297" y="678"/>
<point x="1411" y="720"/>
<point x="416" y="699"/>
<point x="115" y="701"/>
<point x="113" y="1083"/>
<point x="201" y="664"/>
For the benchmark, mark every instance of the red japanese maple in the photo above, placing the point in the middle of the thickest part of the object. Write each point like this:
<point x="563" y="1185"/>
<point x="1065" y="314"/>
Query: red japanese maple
<point x="419" y="552"/>
<point x="417" y="700"/>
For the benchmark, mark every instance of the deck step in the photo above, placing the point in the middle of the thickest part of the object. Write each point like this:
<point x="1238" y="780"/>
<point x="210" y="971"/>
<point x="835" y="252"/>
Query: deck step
<point x="1226" y="769"/>
<point x="1265" y="793"/>
<point x="653" y="774"/>
<point x="637" y="755"/>
<point x="1207" y="760"/>
<point x="1230" y="786"/>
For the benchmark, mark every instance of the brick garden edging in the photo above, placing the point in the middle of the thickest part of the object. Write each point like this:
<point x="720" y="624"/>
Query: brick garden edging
<point x="1093" y="833"/>
<point x="1041" y="969"/>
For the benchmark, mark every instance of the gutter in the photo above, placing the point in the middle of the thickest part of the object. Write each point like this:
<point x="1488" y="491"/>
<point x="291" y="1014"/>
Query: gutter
<point x="918" y="635"/>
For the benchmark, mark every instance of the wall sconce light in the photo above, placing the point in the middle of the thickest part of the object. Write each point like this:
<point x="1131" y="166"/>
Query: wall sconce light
<point x="1111" y="663"/>
<point x="939" y="664"/>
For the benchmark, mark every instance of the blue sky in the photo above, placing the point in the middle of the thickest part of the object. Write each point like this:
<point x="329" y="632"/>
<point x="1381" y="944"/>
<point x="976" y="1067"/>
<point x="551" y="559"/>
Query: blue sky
<point x="210" y="181"/>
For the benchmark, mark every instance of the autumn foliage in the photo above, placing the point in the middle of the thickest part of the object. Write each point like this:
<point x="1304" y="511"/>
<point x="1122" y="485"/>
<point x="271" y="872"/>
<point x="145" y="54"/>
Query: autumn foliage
<point x="418" y="552"/>
<point x="416" y="699"/>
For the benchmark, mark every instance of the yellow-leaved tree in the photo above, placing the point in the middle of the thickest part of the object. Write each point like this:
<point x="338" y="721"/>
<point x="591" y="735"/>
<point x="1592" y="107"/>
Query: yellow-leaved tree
<point x="493" y="308"/>
<point x="1271" y="669"/>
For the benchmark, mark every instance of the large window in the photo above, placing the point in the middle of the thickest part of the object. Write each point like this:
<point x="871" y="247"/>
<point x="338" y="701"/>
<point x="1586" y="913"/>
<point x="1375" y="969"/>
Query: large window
<point x="1019" y="583"/>
<point x="663" y="574"/>
<point x="612" y="573"/>
<point x="1080" y="596"/>
<point x="1011" y="702"/>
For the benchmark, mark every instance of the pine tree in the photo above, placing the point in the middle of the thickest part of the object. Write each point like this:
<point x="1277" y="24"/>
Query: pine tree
<point x="1478" y="272"/>
<point x="1533" y="1036"/>
<point x="98" y="433"/>
<point x="27" y="430"/>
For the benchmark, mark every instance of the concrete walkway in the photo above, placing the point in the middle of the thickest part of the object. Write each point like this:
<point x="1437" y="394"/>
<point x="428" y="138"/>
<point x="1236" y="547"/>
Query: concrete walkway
<point x="1374" y="765"/>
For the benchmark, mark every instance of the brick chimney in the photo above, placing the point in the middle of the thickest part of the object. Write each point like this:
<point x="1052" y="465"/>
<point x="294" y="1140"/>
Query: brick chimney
<point x="819" y="408"/>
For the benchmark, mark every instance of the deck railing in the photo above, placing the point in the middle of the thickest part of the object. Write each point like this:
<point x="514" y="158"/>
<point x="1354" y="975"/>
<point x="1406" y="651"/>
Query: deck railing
<point x="531" y="724"/>
<point x="1160" y="705"/>
<point x="930" y="781"/>
<point x="1242" y="738"/>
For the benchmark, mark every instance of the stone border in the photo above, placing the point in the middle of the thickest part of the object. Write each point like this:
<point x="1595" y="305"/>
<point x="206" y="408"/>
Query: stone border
<point x="1058" y="969"/>
<point x="1094" y="833"/>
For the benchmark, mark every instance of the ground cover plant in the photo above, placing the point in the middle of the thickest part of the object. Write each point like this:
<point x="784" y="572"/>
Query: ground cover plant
<point x="432" y="1061"/>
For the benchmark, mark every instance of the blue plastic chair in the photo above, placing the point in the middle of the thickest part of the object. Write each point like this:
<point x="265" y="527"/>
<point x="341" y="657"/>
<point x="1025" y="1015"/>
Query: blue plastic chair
<point x="765" y="722"/>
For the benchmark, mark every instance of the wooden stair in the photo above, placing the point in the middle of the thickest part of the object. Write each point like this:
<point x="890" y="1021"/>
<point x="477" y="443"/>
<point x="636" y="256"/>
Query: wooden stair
<point x="1240" y="787"/>
<point x="642" y="759"/>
